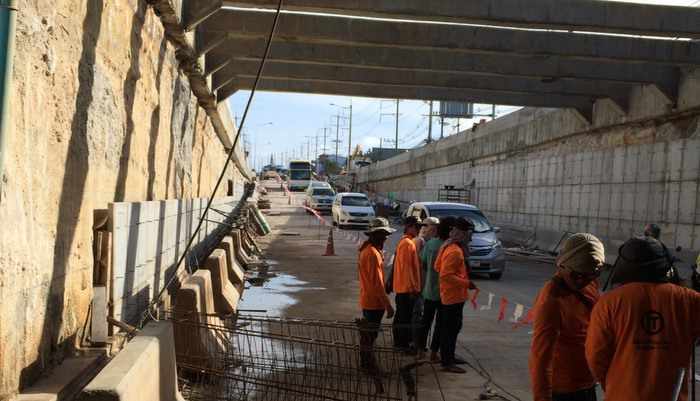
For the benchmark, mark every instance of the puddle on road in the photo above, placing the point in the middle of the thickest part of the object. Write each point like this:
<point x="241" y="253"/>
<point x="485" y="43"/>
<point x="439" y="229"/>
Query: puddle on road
<point x="269" y="291"/>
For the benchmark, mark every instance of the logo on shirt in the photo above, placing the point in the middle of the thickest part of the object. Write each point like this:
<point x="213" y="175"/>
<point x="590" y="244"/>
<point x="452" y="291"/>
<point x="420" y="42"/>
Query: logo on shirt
<point x="653" y="322"/>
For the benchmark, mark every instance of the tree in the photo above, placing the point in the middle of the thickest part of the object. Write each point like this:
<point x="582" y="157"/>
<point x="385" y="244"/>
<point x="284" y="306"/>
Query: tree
<point x="331" y="167"/>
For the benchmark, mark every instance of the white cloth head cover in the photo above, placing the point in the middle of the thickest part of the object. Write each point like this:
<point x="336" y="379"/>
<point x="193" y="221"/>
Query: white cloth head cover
<point x="582" y="253"/>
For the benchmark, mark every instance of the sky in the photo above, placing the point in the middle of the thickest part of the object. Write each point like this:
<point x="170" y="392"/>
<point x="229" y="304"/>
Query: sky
<point x="289" y="125"/>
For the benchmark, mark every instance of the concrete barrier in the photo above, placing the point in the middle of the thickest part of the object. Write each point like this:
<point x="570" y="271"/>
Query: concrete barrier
<point x="195" y="323"/>
<point x="243" y="257"/>
<point x="236" y="275"/>
<point x="252" y="246"/>
<point x="143" y="371"/>
<point x="225" y="295"/>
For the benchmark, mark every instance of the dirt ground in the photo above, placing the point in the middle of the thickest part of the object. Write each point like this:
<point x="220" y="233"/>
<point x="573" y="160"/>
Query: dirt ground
<point x="309" y="285"/>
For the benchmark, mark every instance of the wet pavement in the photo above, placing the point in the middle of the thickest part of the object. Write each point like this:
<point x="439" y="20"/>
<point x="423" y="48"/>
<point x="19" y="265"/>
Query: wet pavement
<point x="300" y="282"/>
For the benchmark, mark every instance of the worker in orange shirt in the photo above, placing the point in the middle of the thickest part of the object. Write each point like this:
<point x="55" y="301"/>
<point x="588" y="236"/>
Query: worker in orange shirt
<point x="407" y="283"/>
<point x="642" y="333"/>
<point x="454" y="286"/>
<point x="558" y="369"/>
<point x="373" y="299"/>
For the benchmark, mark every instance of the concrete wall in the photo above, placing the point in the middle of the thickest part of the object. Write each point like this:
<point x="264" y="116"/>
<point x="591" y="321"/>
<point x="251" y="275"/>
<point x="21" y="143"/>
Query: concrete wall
<point x="148" y="238"/>
<point x="552" y="170"/>
<point x="99" y="114"/>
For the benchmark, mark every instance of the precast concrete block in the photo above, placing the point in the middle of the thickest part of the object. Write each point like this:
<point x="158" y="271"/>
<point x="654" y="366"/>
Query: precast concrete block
<point x="144" y="370"/>
<point x="675" y="158"/>
<point x="235" y="272"/>
<point x="688" y="201"/>
<point x="673" y="190"/>
<point x="659" y="162"/>
<point x="629" y="201"/>
<point x="243" y="258"/>
<point x="641" y="201"/>
<point x="197" y="328"/>
<point x="225" y="295"/>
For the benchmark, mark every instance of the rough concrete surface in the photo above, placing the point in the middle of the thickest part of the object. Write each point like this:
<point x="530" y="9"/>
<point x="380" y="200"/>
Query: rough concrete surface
<point x="99" y="114"/>
<point x="144" y="370"/>
<point x="552" y="172"/>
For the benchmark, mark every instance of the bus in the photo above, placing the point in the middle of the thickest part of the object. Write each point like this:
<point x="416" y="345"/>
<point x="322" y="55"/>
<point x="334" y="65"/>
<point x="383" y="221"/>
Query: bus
<point x="300" y="172"/>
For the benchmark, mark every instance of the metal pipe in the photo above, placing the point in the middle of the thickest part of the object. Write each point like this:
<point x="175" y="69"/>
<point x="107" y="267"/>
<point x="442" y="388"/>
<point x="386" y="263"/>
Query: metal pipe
<point x="8" y="17"/>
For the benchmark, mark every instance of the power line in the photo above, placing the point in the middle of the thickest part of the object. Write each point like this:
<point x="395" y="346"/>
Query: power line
<point x="222" y="174"/>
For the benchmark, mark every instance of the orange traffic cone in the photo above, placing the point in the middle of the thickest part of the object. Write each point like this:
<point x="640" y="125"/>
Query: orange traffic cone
<point x="330" y="248"/>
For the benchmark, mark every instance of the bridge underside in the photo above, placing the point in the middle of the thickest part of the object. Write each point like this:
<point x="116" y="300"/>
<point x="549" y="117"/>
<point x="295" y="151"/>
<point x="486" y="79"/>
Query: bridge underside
<point x="541" y="53"/>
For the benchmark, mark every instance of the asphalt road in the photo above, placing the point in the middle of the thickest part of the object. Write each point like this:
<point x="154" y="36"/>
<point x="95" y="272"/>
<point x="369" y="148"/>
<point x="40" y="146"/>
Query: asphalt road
<point x="306" y="284"/>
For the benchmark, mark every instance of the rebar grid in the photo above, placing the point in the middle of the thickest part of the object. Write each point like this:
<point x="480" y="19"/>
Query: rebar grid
<point x="257" y="358"/>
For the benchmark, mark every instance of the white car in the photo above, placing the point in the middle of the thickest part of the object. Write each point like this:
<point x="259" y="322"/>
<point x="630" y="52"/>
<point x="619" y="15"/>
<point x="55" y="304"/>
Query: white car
<point x="351" y="209"/>
<point x="319" y="196"/>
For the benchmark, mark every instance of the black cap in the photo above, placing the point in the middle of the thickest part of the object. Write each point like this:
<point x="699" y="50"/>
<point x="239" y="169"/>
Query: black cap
<point x="642" y="259"/>
<point x="411" y="221"/>
<point x="463" y="224"/>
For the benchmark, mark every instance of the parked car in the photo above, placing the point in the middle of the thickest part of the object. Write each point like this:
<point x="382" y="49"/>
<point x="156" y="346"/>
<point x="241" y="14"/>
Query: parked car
<point x="486" y="253"/>
<point x="351" y="209"/>
<point x="319" y="196"/>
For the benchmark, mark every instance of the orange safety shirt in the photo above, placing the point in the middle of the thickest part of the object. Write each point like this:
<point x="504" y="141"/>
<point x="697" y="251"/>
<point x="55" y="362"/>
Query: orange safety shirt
<point x="406" y="267"/>
<point x="558" y="354"/>
<point x="371" y="269"/>
<point x="453" y="279"/>
<point x="639" y="337"/>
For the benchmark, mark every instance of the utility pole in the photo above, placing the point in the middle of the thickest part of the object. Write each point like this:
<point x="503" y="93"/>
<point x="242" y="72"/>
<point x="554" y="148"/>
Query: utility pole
<point x="350" y="138"/>
<point x="396" y="141"/>
<point x="308" y="147"/>
<point x="337" y="136"/>
<point x="325" y="131"/>
<point x="442" y="127"/>
<point x="430" y="123"/>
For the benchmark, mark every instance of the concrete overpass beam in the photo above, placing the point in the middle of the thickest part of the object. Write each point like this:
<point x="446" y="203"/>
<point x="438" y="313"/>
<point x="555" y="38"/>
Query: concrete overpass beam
<point x="458" y="38"/>
<point x="194" y="12"/>
<point x="456" y="80"/>
<point x="384" y="91"/>
<point x="547" y="69"/>
<point x="582" y="15"/>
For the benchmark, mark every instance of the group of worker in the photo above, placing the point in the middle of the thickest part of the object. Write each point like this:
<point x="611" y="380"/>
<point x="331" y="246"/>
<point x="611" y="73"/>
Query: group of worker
<point x="430" y="280"/>
<point x="636" y="339"/>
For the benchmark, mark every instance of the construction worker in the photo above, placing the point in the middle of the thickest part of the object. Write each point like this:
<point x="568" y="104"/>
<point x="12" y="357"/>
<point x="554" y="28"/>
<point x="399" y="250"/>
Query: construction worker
<point x="652" y="230"/>
<point x="431" y="286"/>
<point x="406" y="284"/>
<point x="558" y="369"/>
<point x="373" y="300"/>
<point x="643" y="332"/>
<point x="454" y="286"/>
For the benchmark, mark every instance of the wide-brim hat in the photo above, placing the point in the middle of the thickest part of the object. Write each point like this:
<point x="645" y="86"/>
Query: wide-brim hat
<point x="379" y="224"/>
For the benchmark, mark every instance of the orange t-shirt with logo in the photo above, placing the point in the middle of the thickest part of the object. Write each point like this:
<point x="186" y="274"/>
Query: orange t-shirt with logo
<point x="557" y="360"/>
<point x="406" y="267"/>
<point x="639" y="336"/>
<point x="371" y="271"/>
<point x="453" y="278"/>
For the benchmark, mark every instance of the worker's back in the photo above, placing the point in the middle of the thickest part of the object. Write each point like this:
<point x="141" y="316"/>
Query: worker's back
<point x="640" y="335"/>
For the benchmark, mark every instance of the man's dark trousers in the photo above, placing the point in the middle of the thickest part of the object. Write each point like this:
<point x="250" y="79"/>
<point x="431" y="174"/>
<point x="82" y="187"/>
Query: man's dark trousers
<point x="402" y="320"/>
<point x="451" y="324"/>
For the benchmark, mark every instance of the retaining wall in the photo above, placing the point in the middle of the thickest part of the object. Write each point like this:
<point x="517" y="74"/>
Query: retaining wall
<point x="100" y="113"/>
<point x="553" y="171"/>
